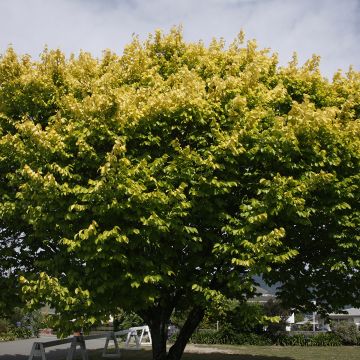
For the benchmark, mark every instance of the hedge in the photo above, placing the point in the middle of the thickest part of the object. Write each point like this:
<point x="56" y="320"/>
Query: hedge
<point x="230" y="337"/>
<point x="322" y="339"/>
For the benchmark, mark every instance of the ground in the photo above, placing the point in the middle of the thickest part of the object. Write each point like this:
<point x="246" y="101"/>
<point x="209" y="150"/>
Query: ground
<point x="20" y="350"/>
<point x="225" y="352"/>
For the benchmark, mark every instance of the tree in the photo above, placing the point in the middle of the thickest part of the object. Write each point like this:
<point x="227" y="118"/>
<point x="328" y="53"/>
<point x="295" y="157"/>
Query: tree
<point x="275" y="308"/>
<point x="169" y="176"/>
<point x="10" y="295"/>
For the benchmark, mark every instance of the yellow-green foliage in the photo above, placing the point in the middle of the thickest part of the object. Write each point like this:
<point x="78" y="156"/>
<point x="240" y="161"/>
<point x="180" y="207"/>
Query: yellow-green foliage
<point x="174" y="172"/>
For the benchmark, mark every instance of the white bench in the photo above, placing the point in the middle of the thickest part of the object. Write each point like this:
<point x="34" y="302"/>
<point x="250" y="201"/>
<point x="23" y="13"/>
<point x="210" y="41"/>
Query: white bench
<point x="144" y="331"/>
<point x="38" y="348"/>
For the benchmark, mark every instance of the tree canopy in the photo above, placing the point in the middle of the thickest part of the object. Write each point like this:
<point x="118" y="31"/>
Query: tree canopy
<point x="168" y="176"/>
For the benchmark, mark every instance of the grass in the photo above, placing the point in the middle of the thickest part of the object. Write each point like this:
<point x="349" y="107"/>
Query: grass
<point x="255" y="353"/>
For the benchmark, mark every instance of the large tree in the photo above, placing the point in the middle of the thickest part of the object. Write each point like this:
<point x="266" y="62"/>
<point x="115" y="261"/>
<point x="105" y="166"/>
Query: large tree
<point x="169" y="176"/>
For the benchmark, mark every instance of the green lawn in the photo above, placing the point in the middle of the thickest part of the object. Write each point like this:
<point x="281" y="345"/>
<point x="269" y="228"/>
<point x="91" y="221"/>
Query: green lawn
<point x="258" y="353"/>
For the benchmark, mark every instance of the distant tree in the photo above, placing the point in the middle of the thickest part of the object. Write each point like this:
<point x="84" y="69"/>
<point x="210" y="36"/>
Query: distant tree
<point x="247" y="318"/>
<point x="299" y="317"/>
<point x="10" y="294"/>
<point x="125" y="320"/>
<point x="169" y="176"/>
<point x="275" y="307"/>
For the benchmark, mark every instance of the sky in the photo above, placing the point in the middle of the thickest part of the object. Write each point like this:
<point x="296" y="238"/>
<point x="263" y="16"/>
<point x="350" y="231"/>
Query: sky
<point x="329" y="28"/>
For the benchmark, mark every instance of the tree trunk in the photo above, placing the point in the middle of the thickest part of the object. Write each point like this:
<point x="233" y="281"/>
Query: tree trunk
<point x="191" y="323"/>
<point x="159" y="337"/>
<point x="158" y="320"/>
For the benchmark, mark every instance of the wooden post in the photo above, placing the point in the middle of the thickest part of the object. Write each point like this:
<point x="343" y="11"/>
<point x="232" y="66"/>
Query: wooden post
<point x="37" y="350"/>
<point x="145" y="331"/>
<point x="111" y="336"/>
<point x="77" y="340"/>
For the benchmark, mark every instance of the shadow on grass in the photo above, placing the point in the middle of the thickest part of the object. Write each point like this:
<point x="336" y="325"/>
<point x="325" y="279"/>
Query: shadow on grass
<point x="221" y="356"/>
<point x="60" y="354"/>
<point x="13" y="357"/>
<point x="146" y="355"/>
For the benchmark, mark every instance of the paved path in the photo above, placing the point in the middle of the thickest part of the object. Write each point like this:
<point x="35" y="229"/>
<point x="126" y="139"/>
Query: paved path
<point x="20" y="349"/>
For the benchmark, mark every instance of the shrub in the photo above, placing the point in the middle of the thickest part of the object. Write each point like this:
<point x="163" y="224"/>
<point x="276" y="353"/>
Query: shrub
<point x="33" y="321"/>
<point x="7" y="337"/>
<point x="10" y="332"/>
<point x="322" y="339"/>
<point x="253" y="339"/>
<point x="292" y="340"/>
<point x="21" y="332"/>
<point x="245" y="316"/>
<point x="125" y="320"/>
<point x="275" y="330"/>
<point x="306" y="327"/>
<point x="229" y="336"/>
<point x="205" y="337"/>
<point x="4" y="326"/>
<point x="347" y="332"/>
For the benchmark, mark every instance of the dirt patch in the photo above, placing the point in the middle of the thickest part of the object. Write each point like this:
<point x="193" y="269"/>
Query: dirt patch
<point x="200" y="349"/>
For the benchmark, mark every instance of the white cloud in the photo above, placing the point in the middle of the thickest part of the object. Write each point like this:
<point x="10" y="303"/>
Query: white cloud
<point x="329" y="28"/>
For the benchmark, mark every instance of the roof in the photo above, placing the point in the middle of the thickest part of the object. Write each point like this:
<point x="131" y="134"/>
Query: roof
<point x="263" y="296"/>
<point x="263" y="291"/>
<point x="350" y="312"/>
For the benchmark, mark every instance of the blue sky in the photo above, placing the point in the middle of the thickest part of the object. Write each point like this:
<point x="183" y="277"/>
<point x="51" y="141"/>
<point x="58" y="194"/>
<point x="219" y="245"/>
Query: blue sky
<point x="329" y="28"/>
